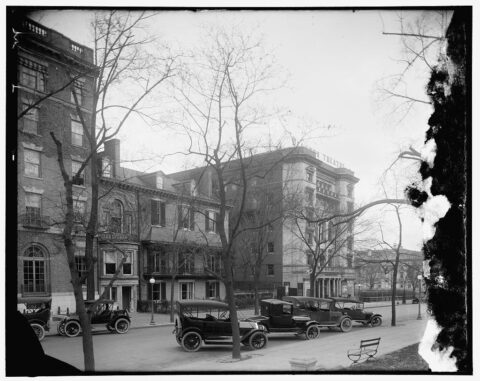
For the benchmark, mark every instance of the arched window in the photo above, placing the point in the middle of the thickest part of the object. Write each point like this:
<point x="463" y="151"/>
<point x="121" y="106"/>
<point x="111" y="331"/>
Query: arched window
<point x="34" y="270"/>
<point x="116" y="217"/>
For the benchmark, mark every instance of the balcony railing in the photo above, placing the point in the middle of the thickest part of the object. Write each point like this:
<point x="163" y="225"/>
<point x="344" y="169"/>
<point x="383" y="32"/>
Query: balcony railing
<point x="182" y="271"/>
<point x="327" y="193"/>
<point x="115" y="236"/>
<point x="35" y="220"/>
<point x="35" y="28"/>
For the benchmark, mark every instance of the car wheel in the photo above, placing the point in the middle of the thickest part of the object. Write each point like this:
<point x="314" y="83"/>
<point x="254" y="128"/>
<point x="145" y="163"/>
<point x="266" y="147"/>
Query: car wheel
<point x="312" y="332"/>
<point x="346" y="325"/>
<point x="61" y="328"/>
<point x="39" y="331"/>
<point x="191" y="341"/>
<point x="110" y="328"/>
<point x="122" y="325"/>
<point x="376" y="321"/>
<point x="72" y="328"/>
<point x="257" y="340"/>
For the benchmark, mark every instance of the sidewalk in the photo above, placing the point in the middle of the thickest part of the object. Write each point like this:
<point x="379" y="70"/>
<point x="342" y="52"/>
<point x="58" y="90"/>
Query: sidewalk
<point x="330" y="352"/>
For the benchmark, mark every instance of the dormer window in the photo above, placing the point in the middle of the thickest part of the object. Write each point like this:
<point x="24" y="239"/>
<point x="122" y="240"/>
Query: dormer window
<point x="159" y="182"/>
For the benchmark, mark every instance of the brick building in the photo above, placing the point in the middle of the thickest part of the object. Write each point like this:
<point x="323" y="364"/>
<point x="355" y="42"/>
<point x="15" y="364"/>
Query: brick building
<point x="273" y="179"/>
<point x="46" y="61"/>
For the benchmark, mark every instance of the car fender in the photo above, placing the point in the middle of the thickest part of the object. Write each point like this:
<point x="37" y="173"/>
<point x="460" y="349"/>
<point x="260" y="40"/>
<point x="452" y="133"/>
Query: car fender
<point x="343" y="318"/>
<point x="310" y="322"/>
<point x="250" y="333"/>
<point x="115" y="318"/>
<point x="192" y="329"/>
<point x="374" y="315"/>
<point x="37" y="321"/>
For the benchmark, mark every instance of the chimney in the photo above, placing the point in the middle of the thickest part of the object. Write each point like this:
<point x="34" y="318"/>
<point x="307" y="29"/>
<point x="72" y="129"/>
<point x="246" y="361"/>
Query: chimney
<point x="112" y="150"/>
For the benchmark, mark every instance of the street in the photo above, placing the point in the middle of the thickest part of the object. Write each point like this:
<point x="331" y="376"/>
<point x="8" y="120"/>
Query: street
<point x="155" y="349"/>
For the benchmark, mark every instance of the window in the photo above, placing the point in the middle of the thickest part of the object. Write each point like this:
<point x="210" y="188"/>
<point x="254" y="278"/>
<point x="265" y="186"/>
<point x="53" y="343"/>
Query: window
<point x="212" y="289"/>
<point x="78" y="88"/>
<point x="349" y="207"/>
<point x="271" y="248"/>
<point x="80" y="180"/>
<point x="186" y="218"/>
<point x="30" y="119"/>
<point x="212" y="263"/>
<point x="158" y="213"/>
<point x="330" y="231"/>
<point x="159" y="262"/>
<point x="34" y="270"/>
<point x="32" y="163"/>
<point x="32" y="74"/>
<point x="127" y="265"/>
<point x="157" y="291"/>
<point x="309" y="195"/>
<point x="33" y="207"/>
<point x="211" y="221"/>
<point x="322" y="231"/>
<point x="186" y="290"/>
<point x="77" y="132"/>
<point x="81" y="265"/>
<point x="300" y="289"/>
<point x="128" y="223"/>
<point x="78" y="210"/>
<point x="270" y="270"/>
<point x="350" y="190"/>
<point x="106" y="167"/>
<point x="309" y="236"/>
<point x="159" y="182"/>
<point x="110" y="262"/>
<point x="116" y="217"/>
<point x="309" y="175"/>
<point x="185" y="263"/>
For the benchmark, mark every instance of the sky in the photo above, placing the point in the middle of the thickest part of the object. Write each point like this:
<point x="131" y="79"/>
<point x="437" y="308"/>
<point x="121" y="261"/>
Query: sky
<point x="332" y="60"/>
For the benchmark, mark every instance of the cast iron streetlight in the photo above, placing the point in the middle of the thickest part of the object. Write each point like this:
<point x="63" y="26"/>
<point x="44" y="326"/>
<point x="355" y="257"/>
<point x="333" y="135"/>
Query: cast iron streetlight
<point x="403" y="298"/>
<point x="419" y="277"/>
<point x="152" y="282"/>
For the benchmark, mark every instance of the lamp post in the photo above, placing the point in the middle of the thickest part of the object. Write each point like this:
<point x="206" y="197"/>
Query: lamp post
<point x="358" y="296"/>
<point x="419" y="277"/>
<point x="403" y="298"/>
<point x="152" y="282"/>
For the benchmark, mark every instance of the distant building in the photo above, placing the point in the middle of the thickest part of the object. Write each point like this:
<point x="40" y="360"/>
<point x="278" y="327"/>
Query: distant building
<point x="273" y="177"/>
<point x="374" y="269"/>
<point x="46" y="62"/>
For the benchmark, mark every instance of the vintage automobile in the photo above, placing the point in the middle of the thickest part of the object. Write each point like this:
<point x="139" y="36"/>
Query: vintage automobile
<point x="104" y="315"/>
<point x="207" y="322"/>
<point x="279" y="316"/>
<point x="321" y="310"/>
<point x="356" y="310"/>
<point x="37" y="313"/>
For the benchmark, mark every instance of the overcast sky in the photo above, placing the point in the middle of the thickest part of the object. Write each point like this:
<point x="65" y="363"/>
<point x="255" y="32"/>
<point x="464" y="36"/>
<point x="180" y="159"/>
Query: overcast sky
<point x="333" y="61"/>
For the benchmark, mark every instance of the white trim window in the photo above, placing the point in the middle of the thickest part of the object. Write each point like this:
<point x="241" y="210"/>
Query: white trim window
<point x="109" y="262"/>
<point x="77" y="132"/>
<point x="186" y="290"/>
<point x="33" y="208"/>
<point x="32" y="74"/>
<point x="79" y="207"/>
<point x="32" y="160"/>
<point x="78" y="88"/>
<point x="30" y="119"/>
<point x="75" y="168"/>
<point x="106" y="167"/>
<point x="128" y="265"/>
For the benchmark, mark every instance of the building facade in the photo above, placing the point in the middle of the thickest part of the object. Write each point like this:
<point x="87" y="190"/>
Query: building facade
<point x="46" y="62"/>
<point x="276" y="180"/>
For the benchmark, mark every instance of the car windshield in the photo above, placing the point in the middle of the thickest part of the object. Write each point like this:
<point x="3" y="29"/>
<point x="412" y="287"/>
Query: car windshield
<point x="205" y="312"/>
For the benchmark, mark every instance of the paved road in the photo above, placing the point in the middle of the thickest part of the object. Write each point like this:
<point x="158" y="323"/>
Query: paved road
<point x="155" y="348"/>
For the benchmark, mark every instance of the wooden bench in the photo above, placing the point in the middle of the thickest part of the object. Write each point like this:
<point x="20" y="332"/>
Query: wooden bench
<point x="368" y="349"/>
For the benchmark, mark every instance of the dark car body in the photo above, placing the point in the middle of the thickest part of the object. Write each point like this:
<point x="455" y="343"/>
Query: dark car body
<point x="37" y="313"/>
<point x="103" y="315"/>
<point x="321" y="310"/>
<point x="356" y="310"/>
<point x="207" y="322"/>
<point x="279" y="316"/>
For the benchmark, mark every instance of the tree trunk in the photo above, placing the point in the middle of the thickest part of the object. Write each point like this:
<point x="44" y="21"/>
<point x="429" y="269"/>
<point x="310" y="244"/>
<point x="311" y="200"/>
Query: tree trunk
<point x="172" y="295"/>
<point x="312" y="284"/>
<point x="394" y="293"/>
<point x="231" y="307"/>
<point x="256" y="299"/>
<point x="91" y="232"/>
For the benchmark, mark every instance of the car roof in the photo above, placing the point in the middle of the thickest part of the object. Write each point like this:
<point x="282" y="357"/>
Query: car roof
<point x="346" y="300"/>
<point x="274" y="301"/>
<point x="306" y="298"/>
<point x="34" y="299"/>
<point x="202" y="303"/>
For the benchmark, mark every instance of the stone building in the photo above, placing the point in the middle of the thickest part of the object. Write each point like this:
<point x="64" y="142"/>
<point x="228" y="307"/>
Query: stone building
<point x="46" y="61"/>
<point x="274" y="178"/>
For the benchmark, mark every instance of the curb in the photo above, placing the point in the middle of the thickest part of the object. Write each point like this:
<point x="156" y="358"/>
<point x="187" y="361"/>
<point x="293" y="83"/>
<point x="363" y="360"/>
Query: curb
<point x="154" y="325"/>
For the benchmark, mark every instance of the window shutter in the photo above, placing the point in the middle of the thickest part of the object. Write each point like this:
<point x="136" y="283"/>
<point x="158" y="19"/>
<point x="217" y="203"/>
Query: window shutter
<point x="192" y="219"/>
<point x="154" y="212"/>
<point x="207" y="221"/>
<point x="162" y="214"/>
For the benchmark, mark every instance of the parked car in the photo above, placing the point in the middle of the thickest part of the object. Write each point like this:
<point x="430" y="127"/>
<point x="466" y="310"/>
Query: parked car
<point x="207" y="322"/>
<point x="278" y="316"/>
<point x="321" y="310"/>
<point x="37" y="312"/>
<point x="356" y="310"/>
<point x="104" y="315"/>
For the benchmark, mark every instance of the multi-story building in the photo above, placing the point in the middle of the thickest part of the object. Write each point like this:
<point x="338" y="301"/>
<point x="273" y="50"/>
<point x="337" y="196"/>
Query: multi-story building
<point x="164" y="228"/>
<point x="276" y="180"/>
<point x="46" y="63"/>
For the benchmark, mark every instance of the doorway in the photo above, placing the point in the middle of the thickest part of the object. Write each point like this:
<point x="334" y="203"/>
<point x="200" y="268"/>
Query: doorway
<point x="126" y="297"/>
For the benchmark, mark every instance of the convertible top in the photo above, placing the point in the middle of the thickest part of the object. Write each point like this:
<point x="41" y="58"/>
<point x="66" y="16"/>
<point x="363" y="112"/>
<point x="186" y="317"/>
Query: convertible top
<point x="202" y="303"/>
<point x="346" y="300"/>
<point x="306" y="298"/>
<point x="274" y="301"/>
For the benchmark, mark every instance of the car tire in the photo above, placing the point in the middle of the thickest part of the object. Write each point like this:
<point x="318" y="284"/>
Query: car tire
<point x="122" y="325"/>
<point x="312" y="332"/>
<point x="346" y="325"/>
<point x="61" y="328"/>
<point x="376" y="321"/>
<point x="72" y="328"/>
<point x="191" y="341"/>
<point x="257" y="340"/>
<point x="39" y="331"/>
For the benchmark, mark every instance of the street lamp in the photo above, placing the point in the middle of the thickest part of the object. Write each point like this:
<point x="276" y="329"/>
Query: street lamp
<point x="358" y="296"/>
<point x="403" y="298"/>
<point x="419" y="277"/>
<point x="152" y="282"/>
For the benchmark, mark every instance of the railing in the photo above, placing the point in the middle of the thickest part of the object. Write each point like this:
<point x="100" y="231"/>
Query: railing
<point x="327" y="193"/>
<point x="35" y="220"/>
<point x="166" y="271"/>
<point x="34" y="28"/>
<point x="115" y="236"/>
<point x="76" y="48"/>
